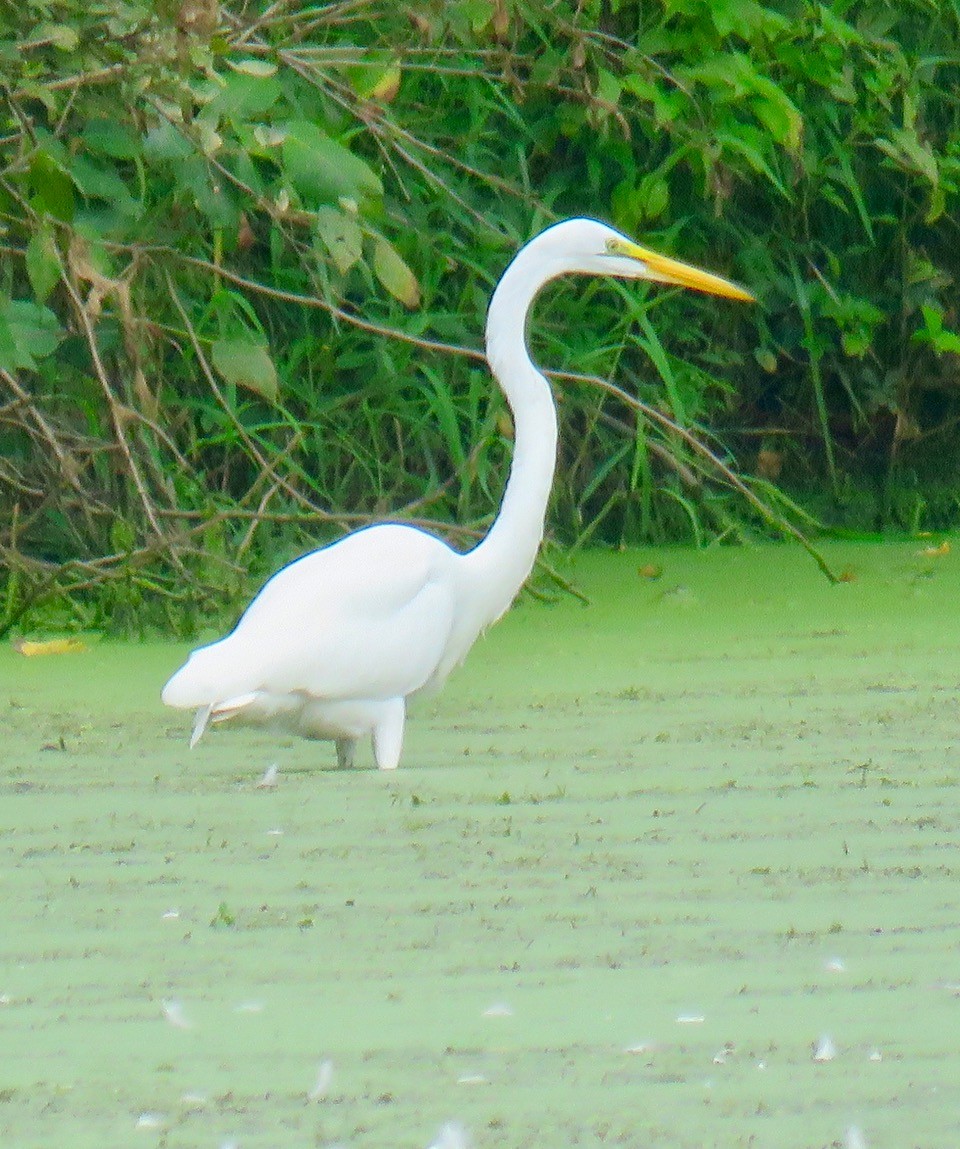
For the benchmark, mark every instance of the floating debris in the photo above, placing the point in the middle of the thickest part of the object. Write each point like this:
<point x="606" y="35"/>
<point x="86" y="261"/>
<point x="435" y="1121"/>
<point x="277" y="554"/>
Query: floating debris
<point x="249" y="1007"/>
<point x="451" y="1136"/>
<point x="324" y="1080"/>
<point x="681" y="595"/>
<point x="952" y="987"/>
<point x="498" y="1009"/>
<point x="875" y="1055"/>
<point x="691" y="1019"/>
<point x="640" y="1047"/>
<point x="935" y="552"/>
<point x="835" y="965"/>
<point x="855" y="1138"/>
<point x="150" y="1121"/>
<point x="824" y="1050"/>
<point x="194" y="1100"/>
<point x="170" y="915"/>
<point x="275" y="833"/>
<point x="52" y="646"/>
<point x="269" y="779"/>
<point x="722" y="1055"/>
<point x="173" y="1012"/>
<point x="472" y="1079"/>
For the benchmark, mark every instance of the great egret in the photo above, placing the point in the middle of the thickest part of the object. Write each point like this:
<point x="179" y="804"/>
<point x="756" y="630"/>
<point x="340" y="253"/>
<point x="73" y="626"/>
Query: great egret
<point x="335" y="644"/>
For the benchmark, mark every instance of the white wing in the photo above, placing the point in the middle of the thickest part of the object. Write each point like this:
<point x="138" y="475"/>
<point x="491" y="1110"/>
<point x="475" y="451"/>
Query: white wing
<point x="368" y="617"/>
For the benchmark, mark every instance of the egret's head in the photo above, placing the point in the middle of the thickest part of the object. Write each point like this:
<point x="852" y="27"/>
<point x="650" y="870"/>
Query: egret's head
<point x="592" y="248"/>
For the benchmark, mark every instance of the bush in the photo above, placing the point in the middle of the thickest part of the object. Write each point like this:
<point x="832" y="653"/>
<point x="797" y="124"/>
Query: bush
<point x="234" y="235"/>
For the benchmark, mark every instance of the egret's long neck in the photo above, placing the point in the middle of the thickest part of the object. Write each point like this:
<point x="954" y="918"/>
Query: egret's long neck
<point x="506" y="556"/>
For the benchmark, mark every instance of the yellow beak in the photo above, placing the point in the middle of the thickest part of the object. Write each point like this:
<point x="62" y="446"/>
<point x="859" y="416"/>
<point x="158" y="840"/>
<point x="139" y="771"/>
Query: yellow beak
<point x="666" y="270"/>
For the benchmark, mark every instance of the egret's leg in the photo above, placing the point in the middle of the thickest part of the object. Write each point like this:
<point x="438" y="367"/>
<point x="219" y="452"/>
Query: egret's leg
<point x="345" y="752"/>
<point x="388" y="734"/>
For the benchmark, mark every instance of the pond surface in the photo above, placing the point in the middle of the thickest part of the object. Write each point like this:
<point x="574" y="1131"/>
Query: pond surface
<point x="678" y="869"/>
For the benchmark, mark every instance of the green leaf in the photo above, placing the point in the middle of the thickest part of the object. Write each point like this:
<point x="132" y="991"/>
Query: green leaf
<point x="31" y="332"/>
<point x="766" y="358"/>
<point x="96" y="182"/>
<point x="52" y="187"/>
<point x="837" y="28"/>
<point x="387" y="85"/>
<point x="9" y="356"/>
<point x="933" y="318"/>
<point x="658" y="355"/>
<point x="910" y="153"/>
<point x="341" y="237"/>
<point x="43" y="267"/>
<point x="744" y="16"/>
<point x="62" y="36"/>
<point x="253" y="67"/>
<point x="749" y="144"/>
<point x="213" y="198"/>
<point x="267" y="136"/>
<point x="112" y="138"/>
<point x="208" y="137"/>
<point x="165" y="144"/>
<point x="947" y="341"/>
<point x="654" y="196"/>
<point x="938" y="204"/>
<point x="243" y="96"/>
<point x="246" y="362"/>
<point x="34" y="326"/>
<point x="322" y="169"/>
<point x="123" y="537"/>
<point x="935" y="334"/>
<point x="782" y="119"/>
<point x="394" y="274"/>
<point x="668" y="103"/>
<point x="856" y="343"/>
<point x="609" y="87"/>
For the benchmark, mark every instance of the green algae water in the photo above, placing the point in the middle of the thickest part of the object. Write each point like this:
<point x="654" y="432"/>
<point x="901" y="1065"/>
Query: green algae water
<point x="676" y="869"/>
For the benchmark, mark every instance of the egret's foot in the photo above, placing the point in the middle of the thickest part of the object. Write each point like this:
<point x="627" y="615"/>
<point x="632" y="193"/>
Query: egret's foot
<point x="346" y="748"/>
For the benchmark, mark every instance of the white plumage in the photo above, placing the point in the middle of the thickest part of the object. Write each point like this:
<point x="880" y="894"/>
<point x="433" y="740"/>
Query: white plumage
<point x="335" y="644"/>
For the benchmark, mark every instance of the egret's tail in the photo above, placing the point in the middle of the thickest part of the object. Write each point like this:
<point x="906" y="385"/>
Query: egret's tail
<point x="211" y="674"/>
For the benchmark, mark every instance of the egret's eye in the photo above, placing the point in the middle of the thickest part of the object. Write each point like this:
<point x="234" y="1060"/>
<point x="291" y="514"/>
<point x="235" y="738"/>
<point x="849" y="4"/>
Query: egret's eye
<point x="619" y="248"/>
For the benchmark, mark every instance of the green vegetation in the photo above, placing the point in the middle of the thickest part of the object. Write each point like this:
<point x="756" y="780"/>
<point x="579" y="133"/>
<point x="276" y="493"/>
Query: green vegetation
<point x="234" y="234"/>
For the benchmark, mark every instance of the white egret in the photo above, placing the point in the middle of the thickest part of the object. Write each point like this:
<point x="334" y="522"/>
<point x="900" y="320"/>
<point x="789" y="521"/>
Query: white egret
<point x="336" y="642"/>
